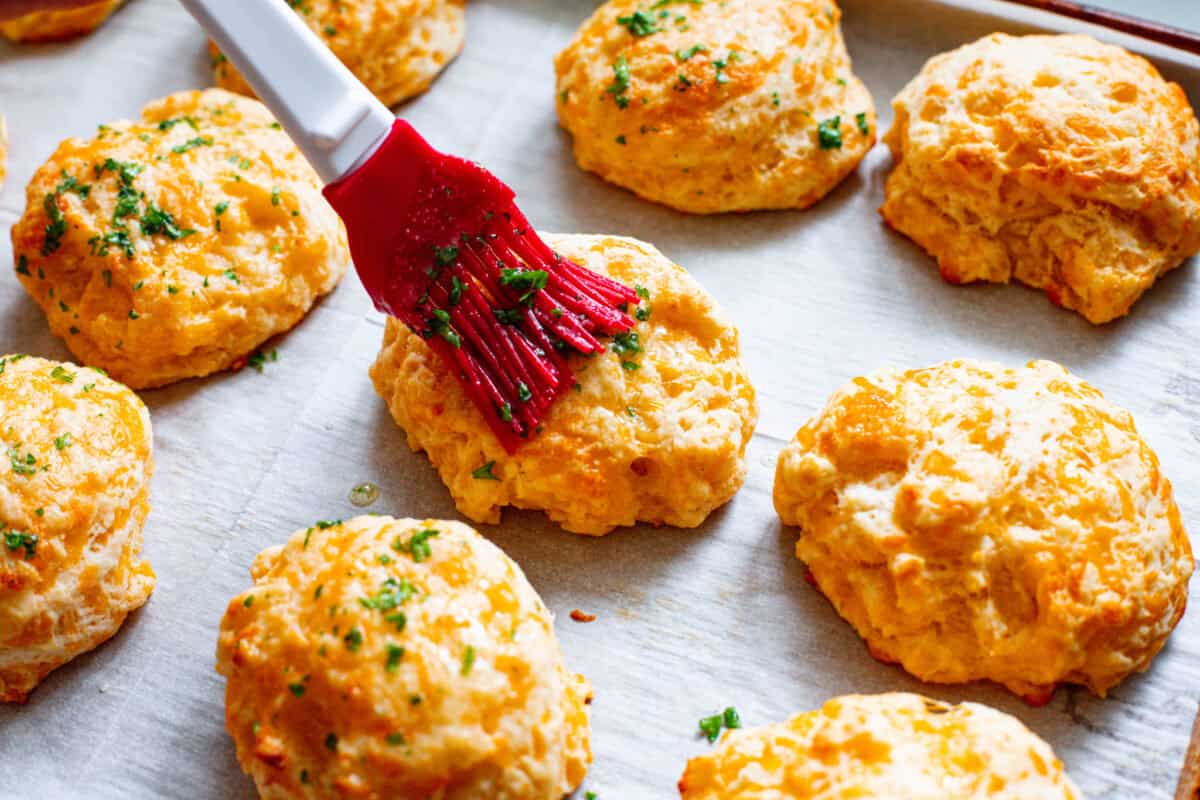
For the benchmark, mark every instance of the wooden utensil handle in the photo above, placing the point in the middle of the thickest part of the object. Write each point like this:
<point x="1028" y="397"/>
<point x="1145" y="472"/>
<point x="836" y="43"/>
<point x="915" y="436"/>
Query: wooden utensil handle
<point x="1163" y="34"/>
<point x="1189" y="779"/>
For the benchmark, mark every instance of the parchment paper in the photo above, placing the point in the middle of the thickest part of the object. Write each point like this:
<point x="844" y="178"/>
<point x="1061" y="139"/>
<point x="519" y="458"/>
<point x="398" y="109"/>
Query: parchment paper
<point x="688" y="621"/>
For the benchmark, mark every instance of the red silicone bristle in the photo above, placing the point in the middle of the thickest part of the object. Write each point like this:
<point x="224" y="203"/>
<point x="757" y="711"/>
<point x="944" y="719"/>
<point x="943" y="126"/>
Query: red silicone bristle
<point x="439" y="243"/>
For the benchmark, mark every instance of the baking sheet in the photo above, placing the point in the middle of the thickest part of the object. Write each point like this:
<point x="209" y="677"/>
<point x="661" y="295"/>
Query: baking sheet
<point x="688" y="621"/>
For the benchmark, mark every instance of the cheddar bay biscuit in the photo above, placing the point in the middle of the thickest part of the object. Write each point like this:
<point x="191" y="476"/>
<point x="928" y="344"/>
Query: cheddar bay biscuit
<point x="976" y="522"/>
<point x="656" y="430"/>
<point x="404" y="659"/>
<point x="1063" y="163"/>
<point x="712" y="107"/>
<point x="50" y="26"/>
<point x="173" y="246"/>
<point x="395" y="47"/>
<point x="882" y="746"/>
<point x="74" y="494"/>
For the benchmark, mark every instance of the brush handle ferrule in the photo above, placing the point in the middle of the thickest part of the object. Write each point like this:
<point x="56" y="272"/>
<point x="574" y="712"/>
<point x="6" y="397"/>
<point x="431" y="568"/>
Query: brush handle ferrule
<point x="335" y="121"/>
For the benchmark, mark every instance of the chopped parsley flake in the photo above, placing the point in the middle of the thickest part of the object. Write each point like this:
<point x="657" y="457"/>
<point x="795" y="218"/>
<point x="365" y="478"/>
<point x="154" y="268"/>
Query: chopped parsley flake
<point x="439" y="324"/>
<point x="417" y="545"/>
<point x="261" y="358"/>
<point x="297" y="689"/>
<point x="187" y="119"/>
<point x="456" y="290"/>
<point x="331" y="741"/>
<point x="16" y="540"/>
<point x="394" y="654"/>
<point x="864" y="127"/>
<point x="445" y="256"/>
<point x="485" y="473"/>
<point x="62" y="374"/>
<point x="524" y="280"/>
<point x="155" y="220"/>
<point x="640" y="23"/>
<point x="100" y="245"/>
<point x="62" y="442"/>
<point x="392" y="592"/>
<point x="508" y="316"/>
<point x="620" y="85"/>
<point x="829" y="134"/>
<point x="192" y="144"/>
<point x="627" y="342"/>
<point x="688" y="54"/>
<point x="353" y="640"/>
<point x="394" y="738"/>
<point x="468" y="660"/>
<point x="710" y="727"/>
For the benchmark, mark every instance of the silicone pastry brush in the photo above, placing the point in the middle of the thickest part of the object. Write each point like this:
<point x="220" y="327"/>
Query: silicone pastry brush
<point x="438" y="241"/>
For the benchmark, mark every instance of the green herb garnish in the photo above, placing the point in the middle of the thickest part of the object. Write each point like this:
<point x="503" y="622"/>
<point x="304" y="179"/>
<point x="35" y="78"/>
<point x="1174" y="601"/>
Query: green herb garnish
<point x="468" y="660"/>
<point x="485" y="473"/>
<point x="620" y="84"/>
<point x="829" y="134"/>
<point x="417" y="545"/>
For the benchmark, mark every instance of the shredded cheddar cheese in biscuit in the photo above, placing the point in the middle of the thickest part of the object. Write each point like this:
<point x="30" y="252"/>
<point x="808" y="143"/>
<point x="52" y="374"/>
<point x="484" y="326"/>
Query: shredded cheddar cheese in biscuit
<point x="1057" y="161"/>
<point x="882" y="746"/>
<point x="974" y="522"/>
<point x="74" y="494"/>
<point x="654" y="431"/>
<point x="718" y="106"/>
<point x="399" y="658"/>
<point x="172" y="247"/>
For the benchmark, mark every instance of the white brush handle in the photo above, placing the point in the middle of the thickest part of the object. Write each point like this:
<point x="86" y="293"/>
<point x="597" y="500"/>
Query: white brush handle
<point x="334" y="120"/>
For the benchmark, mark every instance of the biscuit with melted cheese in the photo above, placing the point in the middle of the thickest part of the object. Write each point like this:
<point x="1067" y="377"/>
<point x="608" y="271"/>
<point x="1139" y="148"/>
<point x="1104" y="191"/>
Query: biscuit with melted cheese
<point x="977" y="522"/>
<point x="656" y="430"/>
<point x="53" y="26"/>
<point x="1057" y="161"/>
<point x="405" y="659"/>
<point x="173" y="246"/>
<point x="714" y="107"/>
<point x="74" y="494"/>
<point x="395" y="47"/>
<point x="882" y="746"/>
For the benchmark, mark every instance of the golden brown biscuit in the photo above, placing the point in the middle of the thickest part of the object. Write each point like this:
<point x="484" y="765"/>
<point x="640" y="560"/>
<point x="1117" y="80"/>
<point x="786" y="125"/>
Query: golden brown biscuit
<point x="53" y="26"/>
<point x="1063" y="163"/>
<point x="172" y="247"/>
<point x="976" y="522"/>
<point x="74" y="494"/>
<point x="404" y="659"/>
<point x="395" y="47"/>
<point x="882" y="746"/>
<point x="655" y="432"/>
<point x="730" y="106"/>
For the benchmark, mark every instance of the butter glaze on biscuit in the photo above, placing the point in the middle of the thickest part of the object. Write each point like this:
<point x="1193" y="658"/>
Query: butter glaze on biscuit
<point x="976" y="522"/>
<point x="406" y="659"/>
<point x="882" y="746"/>
<point x="53" y="26"/>
<point x="172" y="247"/>
<point x="1063" y="163"/>
<point x="395" y="47"/>
<point x="657" y="434"/>
<point x="74" y="494"/>
<point x="720" y="107"/>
